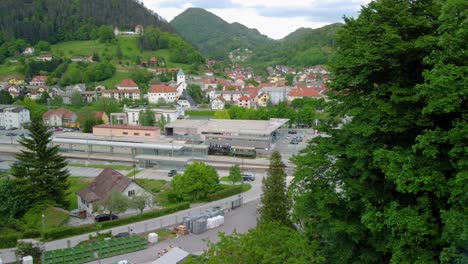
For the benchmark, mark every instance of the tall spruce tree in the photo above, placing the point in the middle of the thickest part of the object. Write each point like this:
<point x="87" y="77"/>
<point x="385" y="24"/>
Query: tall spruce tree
<point x="389" y="184"/>
<point x="275" y="199"/>
<point x="41" y="173"/>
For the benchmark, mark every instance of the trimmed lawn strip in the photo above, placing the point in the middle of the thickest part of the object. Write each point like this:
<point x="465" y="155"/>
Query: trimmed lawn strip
<point x="102" y="166"/>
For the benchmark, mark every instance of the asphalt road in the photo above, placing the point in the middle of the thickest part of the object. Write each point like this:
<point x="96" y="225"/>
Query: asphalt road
<point x="240" y="220"/>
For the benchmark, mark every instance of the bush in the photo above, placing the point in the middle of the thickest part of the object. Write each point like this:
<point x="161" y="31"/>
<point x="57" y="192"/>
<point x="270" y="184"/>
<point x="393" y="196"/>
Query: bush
<point x="58" y="233"/>
<point x="8" y="241"/>
<point x="31" y="233"/>
<point x="223" y="193"/>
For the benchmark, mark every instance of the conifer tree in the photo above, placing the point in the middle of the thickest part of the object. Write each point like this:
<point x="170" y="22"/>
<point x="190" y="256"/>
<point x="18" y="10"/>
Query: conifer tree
<point x="275" y="199"/>
<point x="41" y="172"/>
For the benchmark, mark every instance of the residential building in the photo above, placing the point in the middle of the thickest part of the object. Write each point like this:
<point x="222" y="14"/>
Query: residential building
<point x="262" y="99"/>
<point x="218" y="103"/>
<point x="132" y="115"/>
<point x="103" y="117"/>
<point x="108" y="181"/>
<point x="301" y="92"/>
<point x="122" y="94"/>
<point x="244" y="101"/>
<point x="60" y="117"/>
<point x="28" y="51"/>
<point x="277" y="94"/>
<point x="161" y="93"/>
<point x="127" y="84"/>
<point x="38" y="80"/>
<point x="89" y="96"/>
<point x="45" y="57"/>
<point x="146" y="132"/>
<point x="13" y="116"/>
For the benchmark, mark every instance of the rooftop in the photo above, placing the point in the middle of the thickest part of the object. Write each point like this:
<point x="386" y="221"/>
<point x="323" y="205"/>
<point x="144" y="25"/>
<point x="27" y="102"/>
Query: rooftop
<point x="231" y="126"/>
<point x="148" y="128"/>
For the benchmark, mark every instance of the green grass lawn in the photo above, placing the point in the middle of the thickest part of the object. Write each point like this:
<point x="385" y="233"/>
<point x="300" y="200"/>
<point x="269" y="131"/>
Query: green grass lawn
<point x="200" y="113"/>
<point x="10" y="70"/>
<point x="154" y="186"/>
<point x="102" y="166"/>
<point x="76" y="184"/>
<point x="53" y="217"/>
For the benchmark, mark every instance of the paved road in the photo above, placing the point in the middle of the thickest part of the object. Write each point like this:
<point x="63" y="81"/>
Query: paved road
<point x="253" y="194"/>
<point x="239" y="220"/>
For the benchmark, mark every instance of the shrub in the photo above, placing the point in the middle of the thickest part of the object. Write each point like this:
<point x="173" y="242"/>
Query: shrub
<point x="58" y="233"/>
<point x="31" y="233"/>
<point x="8" y="241"/>
<point x="223" y="193"/>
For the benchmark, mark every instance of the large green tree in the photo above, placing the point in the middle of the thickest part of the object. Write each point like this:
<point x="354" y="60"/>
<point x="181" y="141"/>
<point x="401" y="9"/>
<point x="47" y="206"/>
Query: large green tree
<point x="147" y="117"/>
<point x="5" y="97"/>
<point x="275" y="199"/>
<point x="271" y="243"/>
<point x="196" y="183"/>
<point x="235" y="174"/>
<point x="389" y="186"/>
<point x="40" y="173"/>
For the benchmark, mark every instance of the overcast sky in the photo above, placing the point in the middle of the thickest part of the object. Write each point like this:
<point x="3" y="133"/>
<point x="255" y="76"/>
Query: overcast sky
<point x="274" y="18"/>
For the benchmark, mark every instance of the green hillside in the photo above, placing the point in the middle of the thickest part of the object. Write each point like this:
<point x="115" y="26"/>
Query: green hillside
<point x="213" y="36"/>
<point x="106" y="58"/>
<point x="303" y="47"/>
<point x="61" y="20"/>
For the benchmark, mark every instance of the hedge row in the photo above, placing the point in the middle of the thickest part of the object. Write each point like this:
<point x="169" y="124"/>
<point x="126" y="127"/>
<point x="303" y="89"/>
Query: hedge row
<point x="230" y="191"/>
<point x="64" y="232"/>
<point x="8" y="241"/>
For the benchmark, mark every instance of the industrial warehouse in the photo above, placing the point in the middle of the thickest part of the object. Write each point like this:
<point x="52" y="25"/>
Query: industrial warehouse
<point x="257" y="134"/>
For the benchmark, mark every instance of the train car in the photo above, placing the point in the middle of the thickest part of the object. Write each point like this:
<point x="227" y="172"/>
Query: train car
<point x="243" y="151"/>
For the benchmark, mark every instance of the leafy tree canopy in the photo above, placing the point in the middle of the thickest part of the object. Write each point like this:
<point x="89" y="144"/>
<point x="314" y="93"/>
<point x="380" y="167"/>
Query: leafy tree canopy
<point x="389" y="186"/>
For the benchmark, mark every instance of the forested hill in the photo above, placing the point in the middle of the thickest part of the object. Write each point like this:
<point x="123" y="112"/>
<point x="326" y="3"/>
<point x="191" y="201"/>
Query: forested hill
<point x="60" y="20"/>
<point x="302" y="47"/>
<point x="213" y="36"/>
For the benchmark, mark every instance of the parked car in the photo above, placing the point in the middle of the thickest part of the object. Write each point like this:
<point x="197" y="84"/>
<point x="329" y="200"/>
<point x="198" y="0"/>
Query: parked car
<point x="105" y="217"/>
<point x="13" y="128"/>
<point x="68" y="130"/>
<point x="248" y="176"/>
<point x="11" y="134"/>
<point x="58" y="129"/>
<point x="172" y="173"/>
<point x="294" y="142"/>
<point x="292" y="132"/>
<point x="123" y="234"/>
<point x="2" y="128"/>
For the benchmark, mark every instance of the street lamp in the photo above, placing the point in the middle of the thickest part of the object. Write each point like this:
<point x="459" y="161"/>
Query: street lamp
<point x="43" y="225"/>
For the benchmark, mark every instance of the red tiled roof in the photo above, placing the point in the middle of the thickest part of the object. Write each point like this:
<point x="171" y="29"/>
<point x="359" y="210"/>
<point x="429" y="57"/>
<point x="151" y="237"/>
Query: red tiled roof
<point x="148" y="128"/>
<point x="304" y="92"/>
<point x="39" y="78"/>
<point x="120" y="91"/>
<point x="162" y="89"/>
<point x="107" y="181"/>
<point x="65" y="113"/>
<point x="244" y="98"/>
<point x="99" y="115"/>
<point x="127" y="83"/>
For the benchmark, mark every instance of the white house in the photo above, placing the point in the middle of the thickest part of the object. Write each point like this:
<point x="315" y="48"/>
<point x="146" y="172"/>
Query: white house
<point x="107" y="181"/>
<point x="218" y="103"/>
<point x="127" y="84"/>
<point x="28" y="51"/>
<point x="122" y="94"/>
<point x="38" y="80"/>
<point x="157" y="93"/>
<point x="181" y="82"/>
<point x="13" y="116"/>
<point x="132" y="115"/>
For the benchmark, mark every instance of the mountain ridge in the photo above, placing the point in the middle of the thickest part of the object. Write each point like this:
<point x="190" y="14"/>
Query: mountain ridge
<point x="63" y="20"/>
<point x="213" y="36"/>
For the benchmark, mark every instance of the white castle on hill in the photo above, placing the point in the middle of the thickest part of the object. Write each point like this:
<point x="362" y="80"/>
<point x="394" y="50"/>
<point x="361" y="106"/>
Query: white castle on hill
<point x="138" y="31"/>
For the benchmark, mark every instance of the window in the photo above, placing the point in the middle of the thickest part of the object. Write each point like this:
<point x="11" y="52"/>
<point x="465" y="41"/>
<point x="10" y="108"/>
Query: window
<point x="136" y="134"/>
<point x="131" y="193"/>
<point x="147" y="134"/>
<point x="124" y="133"/>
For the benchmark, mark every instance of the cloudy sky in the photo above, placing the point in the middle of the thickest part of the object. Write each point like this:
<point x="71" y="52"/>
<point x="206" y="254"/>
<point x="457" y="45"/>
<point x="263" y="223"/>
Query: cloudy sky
<point x="274" y="18"/>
